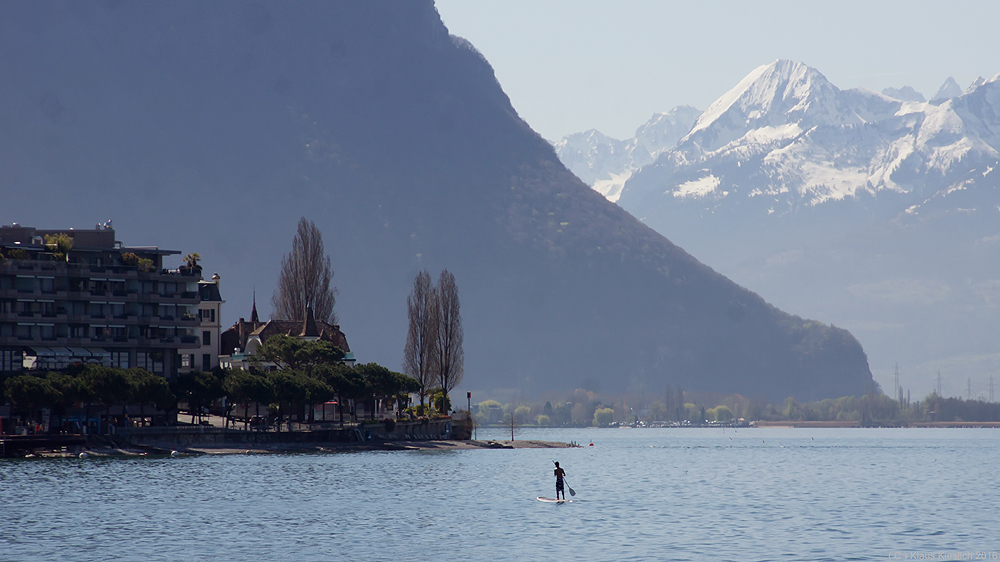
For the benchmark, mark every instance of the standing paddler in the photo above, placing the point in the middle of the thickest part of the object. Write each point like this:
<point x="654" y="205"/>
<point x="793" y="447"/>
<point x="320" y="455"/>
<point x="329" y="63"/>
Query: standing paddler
<point x="560" y="473"/>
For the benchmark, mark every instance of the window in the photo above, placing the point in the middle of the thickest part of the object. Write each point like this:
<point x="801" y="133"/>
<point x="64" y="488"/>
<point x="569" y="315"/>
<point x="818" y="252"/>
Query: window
<point x="48" y="331"/>
<point x="47" y="284"/>
<point x="206" y="361"/>
<point x="206" y="338"/>
<point x="186" y="360"/>
<point x="208" y="314"/>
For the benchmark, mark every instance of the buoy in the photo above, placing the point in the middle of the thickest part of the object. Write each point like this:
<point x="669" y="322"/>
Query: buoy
<point x="174" y="454"/>
<point x="83" y="455"/>
<point x="591" y="444"/>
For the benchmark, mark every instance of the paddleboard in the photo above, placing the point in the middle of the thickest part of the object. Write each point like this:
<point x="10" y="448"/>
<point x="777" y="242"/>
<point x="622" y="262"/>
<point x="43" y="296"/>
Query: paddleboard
<point x="553" y="500"/>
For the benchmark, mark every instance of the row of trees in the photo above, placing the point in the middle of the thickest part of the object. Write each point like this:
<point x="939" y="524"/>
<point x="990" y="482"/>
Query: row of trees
<point x="90" y="385"/>
<point x="584" y="408"/>
<point x="287" y="376"/>
<point x="433" y="354"/>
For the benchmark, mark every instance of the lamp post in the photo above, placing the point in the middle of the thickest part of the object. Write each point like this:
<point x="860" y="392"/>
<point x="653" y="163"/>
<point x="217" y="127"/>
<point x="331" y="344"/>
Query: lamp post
<point x="468" y="396"/>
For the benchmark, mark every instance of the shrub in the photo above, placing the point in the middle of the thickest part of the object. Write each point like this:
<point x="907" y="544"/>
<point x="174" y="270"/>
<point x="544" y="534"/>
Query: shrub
<point x="59" y="244"/>
<point x="603" y="417"/>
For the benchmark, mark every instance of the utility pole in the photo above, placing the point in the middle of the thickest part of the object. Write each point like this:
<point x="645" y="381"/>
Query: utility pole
<point x="939" y="383"/>
<point x="991" y="389"/>
<point x="968" y="390"/>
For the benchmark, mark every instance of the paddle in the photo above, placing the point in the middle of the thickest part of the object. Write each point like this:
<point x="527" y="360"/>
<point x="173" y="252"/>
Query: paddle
<point x="572" y="492"/>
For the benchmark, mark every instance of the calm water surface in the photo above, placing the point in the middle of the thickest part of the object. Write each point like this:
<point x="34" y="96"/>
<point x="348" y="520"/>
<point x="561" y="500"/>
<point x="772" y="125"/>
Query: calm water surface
<point x="643" y="494"/>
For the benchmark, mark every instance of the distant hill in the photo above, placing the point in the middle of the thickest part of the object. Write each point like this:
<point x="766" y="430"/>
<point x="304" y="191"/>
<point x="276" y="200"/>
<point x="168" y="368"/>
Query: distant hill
<point x="212" y="127"/>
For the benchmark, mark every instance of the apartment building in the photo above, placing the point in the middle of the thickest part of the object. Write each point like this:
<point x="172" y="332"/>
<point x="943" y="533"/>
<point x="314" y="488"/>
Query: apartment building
<point x="80" y="296"/>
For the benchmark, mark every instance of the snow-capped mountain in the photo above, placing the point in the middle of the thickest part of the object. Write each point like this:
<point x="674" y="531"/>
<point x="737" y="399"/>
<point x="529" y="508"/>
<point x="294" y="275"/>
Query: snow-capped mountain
<point x="785" y="137"/>
<point x="606" y="163"/>
<point x="950" y="89"/>
<point x="906" y="93"/>
<point x="879" y="213"/>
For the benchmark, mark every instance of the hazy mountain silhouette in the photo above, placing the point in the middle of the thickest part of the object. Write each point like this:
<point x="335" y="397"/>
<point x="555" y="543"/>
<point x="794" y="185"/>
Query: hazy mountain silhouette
<point x="212" y="127"/>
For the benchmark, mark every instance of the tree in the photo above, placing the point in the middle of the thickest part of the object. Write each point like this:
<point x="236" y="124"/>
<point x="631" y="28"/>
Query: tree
<point x="239" y="386"/>
<point x="450" y="356"/>
<point x="109" y="385"/>
<point x="59" y="244"/>
<point x="305" y="279"/>
<point x="381" y="384"/>
<point x="198" y="389"/>
<point x="420" y="353"/>
<point x="603" y="417"/>
<point x="288" y="352"/>
<point x="29" y="394"/>
<point x="148" y="388"/>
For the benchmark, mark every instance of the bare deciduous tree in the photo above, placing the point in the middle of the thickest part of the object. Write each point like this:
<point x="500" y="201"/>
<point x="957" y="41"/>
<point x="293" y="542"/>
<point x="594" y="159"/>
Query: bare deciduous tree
<point x="420" y="353"/>
<point x="305" y="279"/>
<point x="450" y="356"/>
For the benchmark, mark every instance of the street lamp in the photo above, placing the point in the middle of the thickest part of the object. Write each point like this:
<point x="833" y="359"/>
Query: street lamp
<point x="468" y="396"/>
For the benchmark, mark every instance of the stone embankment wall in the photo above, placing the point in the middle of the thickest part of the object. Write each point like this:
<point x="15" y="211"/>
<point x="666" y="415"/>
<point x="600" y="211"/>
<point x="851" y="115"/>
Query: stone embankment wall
<point x="207" y="436"/>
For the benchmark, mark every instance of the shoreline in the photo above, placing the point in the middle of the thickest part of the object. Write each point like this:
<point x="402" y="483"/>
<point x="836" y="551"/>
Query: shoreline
<point x="857" y="425"/>
<point x="98" y="450"/>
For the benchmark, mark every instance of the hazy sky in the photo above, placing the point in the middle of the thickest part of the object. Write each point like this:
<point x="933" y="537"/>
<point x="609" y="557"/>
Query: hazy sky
<point x="573" y="65"/>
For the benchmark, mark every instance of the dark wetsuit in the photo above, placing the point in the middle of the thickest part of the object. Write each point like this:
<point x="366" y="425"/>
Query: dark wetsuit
<point x="559" y="482"/>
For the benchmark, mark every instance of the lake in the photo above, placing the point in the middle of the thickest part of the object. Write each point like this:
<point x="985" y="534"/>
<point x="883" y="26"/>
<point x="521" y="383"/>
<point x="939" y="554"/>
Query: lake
<point x="642" y="494"/>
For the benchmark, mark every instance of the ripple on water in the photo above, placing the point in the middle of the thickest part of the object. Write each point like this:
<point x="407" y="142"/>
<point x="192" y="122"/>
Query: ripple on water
<point x="643" y="495"/>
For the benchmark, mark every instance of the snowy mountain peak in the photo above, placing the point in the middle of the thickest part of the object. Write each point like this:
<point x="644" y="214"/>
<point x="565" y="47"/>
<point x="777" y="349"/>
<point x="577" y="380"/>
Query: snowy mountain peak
<point x="663" y="130"/>
<point x="979" y="81"/>
<point x="906" y="93"/>
<point x="950" y="89"/>
<point x="785" y="138"/>
<point x="782" y="99"/>
<point x="605" y="163"/>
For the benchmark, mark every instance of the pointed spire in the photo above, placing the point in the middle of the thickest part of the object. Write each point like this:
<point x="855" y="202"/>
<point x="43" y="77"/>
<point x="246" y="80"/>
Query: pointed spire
<point x="309" y="329"/>
<point x="253" y="313"/>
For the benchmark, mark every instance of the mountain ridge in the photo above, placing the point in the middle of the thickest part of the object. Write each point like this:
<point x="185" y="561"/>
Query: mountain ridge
<point x="214" y="127"/>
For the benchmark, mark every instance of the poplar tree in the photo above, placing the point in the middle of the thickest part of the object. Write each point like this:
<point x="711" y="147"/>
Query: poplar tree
<point x="420" y="353"/>
<point x="450" y="356"/>
<point x="305" y="279"/>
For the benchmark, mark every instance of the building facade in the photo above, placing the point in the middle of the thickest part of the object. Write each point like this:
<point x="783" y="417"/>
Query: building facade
<point x="206" y="357"/>
<point x="79" y="296"/>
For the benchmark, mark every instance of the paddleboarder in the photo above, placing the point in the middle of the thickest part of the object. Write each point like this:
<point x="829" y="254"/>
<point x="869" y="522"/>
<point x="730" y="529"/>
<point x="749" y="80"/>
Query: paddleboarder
<point x="560" y="473"/>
